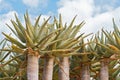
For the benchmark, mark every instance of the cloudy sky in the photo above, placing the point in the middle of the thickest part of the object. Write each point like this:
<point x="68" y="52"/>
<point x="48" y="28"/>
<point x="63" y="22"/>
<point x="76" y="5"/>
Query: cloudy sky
<point x="96" y="13"/>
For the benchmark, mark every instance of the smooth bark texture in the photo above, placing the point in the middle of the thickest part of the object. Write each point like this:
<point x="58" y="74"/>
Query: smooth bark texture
<point x="48" y="68"/>
<point x="104" y="75"/>
<point x="64" y="68"/>
<point x="84" y="72"/>
<point x="32" y="67"/>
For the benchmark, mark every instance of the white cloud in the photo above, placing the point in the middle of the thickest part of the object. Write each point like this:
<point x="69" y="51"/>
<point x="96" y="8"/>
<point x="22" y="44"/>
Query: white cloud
<point x="31" y="3"/>
<point x="103" y="20"/>
<point x="35" y="3"/>
<point x="83" y="8"/>
<point x="86" y="10"/>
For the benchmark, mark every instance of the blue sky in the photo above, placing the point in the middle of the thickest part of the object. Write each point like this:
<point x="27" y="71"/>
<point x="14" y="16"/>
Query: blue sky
<point x="20" y="6"/>
<point x="97" y="13"/>
<point x="46" y="6"/>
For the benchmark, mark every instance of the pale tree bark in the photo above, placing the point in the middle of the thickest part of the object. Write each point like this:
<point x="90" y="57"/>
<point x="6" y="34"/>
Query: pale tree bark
<point x="104" y="74"/>
<point x="32" y="67"/>
<point x="84" y="72"/>
<point x="64" y="68"/>
<point x="48" y="68"/>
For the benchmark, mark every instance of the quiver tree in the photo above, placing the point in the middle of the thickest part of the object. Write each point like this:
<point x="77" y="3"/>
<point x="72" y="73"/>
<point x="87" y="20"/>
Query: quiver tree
<point x="30" y="40"/>
<point x="59" y="43"/>
<point x="68" y="45"/>
<point x="49" y="53"/>
<point x="106" y="53"/>
<point x="114" y="44"/>
<point x="82" y="62"/>
<point x="85" y="60"/>
<point x="65" y="47"/>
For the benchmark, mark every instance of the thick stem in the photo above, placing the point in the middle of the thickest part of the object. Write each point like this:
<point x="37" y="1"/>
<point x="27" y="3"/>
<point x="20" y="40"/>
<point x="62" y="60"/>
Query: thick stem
<point x="84" y="72"/>
<point x="64" y="68"/>
<point x="32" y="67"/>
<point x="48" y="68"/>
<point x="104" y="74"/>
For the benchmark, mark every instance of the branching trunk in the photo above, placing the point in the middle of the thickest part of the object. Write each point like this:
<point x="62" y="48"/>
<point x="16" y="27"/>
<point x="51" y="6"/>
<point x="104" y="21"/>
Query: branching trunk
<point x="84" y="72"/>
<point x="104" y="74"/>
<point x="64" y="68"/>
<point x="48" y="68"/>
<point x="32" y="67"/>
